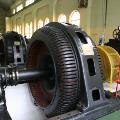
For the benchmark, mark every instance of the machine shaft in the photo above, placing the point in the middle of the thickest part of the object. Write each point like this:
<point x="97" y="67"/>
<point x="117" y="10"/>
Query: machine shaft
<point x="10" y="77"/>
<point x="25" y="76"/>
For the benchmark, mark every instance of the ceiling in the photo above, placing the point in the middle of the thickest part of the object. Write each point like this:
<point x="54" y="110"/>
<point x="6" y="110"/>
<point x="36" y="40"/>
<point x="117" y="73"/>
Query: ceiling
<point x="5" y="4"/>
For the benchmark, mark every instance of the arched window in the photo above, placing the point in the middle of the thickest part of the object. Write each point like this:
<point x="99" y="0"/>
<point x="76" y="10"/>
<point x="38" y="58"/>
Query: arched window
<point x="62" y="18"/>
<point x="19" y="7"/>
<point x="19" y="29"/>
<point x="31" y="30"/>
<point x="75" y="18"/>
<point x="47" y="21"/>
<point x="13" y="11"/>
<point x="28" y="30"/>
<point x="40" y="23"/>
<point x="28" y="2"/>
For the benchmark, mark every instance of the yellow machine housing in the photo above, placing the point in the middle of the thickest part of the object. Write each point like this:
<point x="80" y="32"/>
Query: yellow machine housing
<point x="110" y="62"/>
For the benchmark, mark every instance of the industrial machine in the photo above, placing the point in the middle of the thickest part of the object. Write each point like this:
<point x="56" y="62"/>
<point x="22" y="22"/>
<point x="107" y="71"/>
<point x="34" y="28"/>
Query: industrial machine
<point x="115" y="42"/>
<point x="13" y="48"/>
<point x="64" y="70"/>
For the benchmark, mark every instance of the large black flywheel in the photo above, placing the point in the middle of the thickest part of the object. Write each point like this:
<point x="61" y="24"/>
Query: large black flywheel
<point x="50" y="49"/>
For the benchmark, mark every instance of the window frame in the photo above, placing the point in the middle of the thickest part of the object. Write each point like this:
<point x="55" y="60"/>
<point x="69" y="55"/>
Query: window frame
<point x="28" y="29"/>
<point x="19" y="7"/>
<point x="47" y="20"/>
<point x="61" y="17"/>
<point x="19" y="29"/>
<point x="40" y="23"/>
<point x="72" y="20"/>
<point x="13" y="11"/>
<point x="29" y="2"/>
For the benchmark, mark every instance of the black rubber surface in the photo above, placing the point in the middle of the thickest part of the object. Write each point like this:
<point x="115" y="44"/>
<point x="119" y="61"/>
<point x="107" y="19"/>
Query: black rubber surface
<point x="4" y="115"/>
<point x="66" y="69"/>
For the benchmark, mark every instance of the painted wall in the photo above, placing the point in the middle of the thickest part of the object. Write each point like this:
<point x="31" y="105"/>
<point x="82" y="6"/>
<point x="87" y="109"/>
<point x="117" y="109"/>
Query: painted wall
<point x="98" y="26"/>
<point x="44" y="9"/>
<point x="92" y="18"/>
<point x="113" y="17"/>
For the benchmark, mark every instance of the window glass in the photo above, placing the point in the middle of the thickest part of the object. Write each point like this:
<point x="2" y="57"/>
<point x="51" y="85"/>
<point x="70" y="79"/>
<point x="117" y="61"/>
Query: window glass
<point x="20" y="7"/>
<point x="19" y="29"/>
<point x="62" y="18"/>
<point x="28" y="2"/>
<point x="40" y="23"/>
<point x="13" y="11"/>
<point x="28" y="30"/>
<point x="75" y="18"/>
<point x="47" y="21"/>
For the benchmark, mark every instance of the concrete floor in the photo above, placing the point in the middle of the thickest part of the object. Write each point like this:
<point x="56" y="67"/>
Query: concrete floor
<point x="20" y="105"/>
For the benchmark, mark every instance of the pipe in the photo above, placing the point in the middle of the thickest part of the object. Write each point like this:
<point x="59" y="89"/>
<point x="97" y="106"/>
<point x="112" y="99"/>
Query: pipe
<point x="25" y="76"/>
<point x="13" y="76"/>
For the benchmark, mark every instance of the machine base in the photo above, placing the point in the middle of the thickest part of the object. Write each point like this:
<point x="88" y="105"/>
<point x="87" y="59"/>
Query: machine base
<point x="112" y="106"/>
